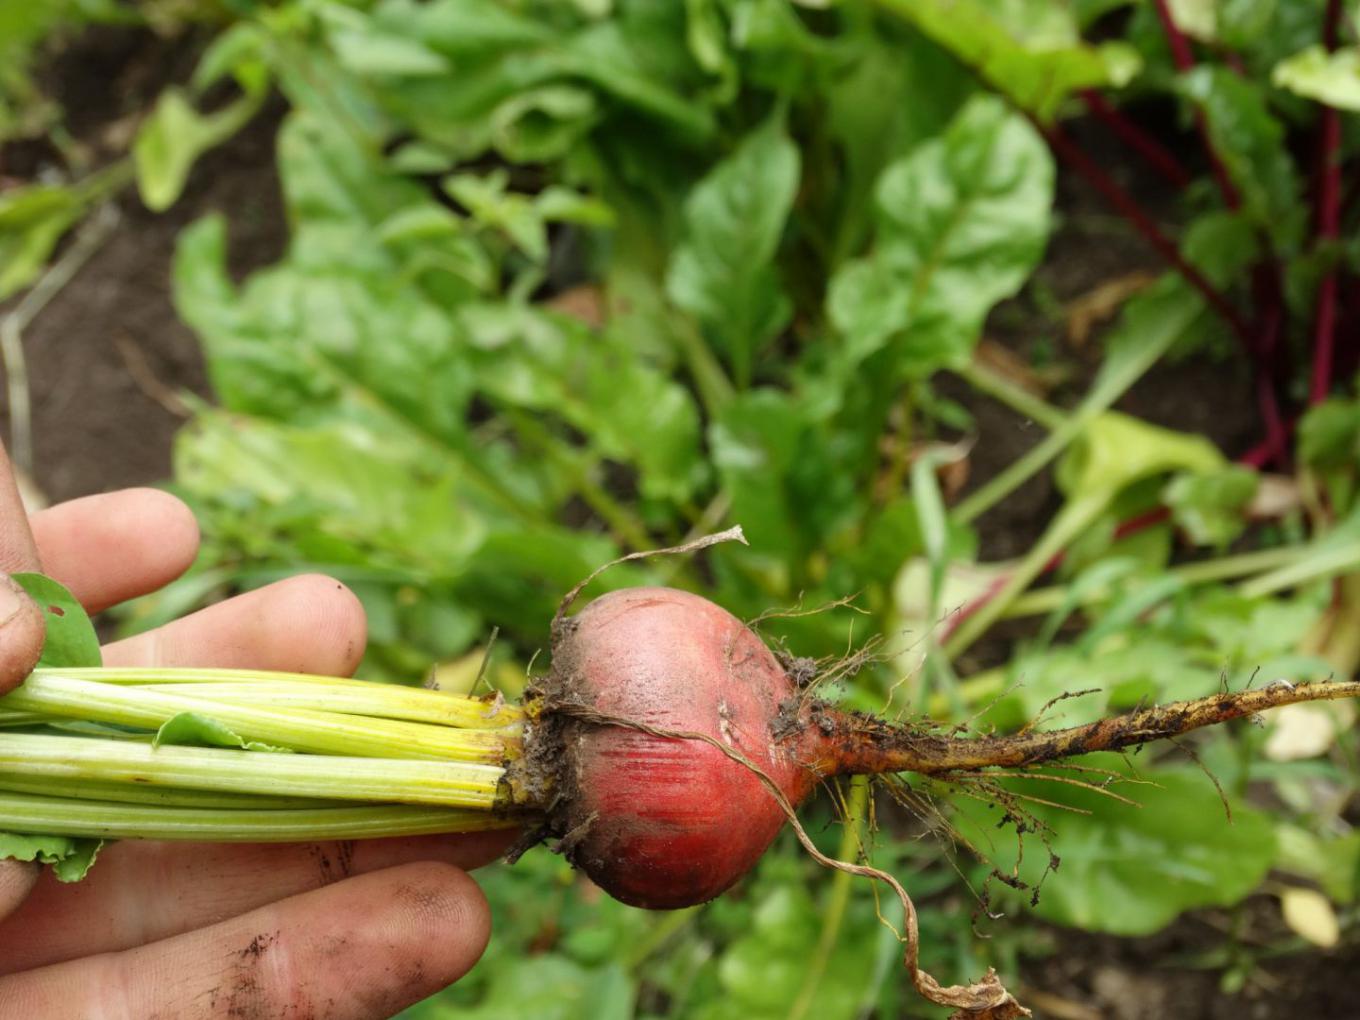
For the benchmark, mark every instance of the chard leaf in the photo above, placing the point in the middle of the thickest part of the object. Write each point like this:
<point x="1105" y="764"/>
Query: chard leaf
<point x="962" y="221"/>
<point x="1250" y="141"/>
<point x="724" y="270"/>
<point x="1131" y="869"/>
<point x="1332" y="78"/>
<point x="1030" y="50"/>
<point x="32" y="221"/>
<point x="175" y="135"/>
<point x="69" y="857"/>
<point x="70" y="637"/>
<point x="1210" y="506"/>
<point x="193" y="729"/>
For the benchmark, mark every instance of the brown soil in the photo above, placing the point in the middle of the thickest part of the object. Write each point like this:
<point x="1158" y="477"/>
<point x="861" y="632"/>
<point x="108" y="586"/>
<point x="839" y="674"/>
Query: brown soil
<point x="107" y="356"/>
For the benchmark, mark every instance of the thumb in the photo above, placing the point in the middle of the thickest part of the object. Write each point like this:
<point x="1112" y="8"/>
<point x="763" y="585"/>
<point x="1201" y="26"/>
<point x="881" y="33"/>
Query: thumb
<point x="21" y="634"/>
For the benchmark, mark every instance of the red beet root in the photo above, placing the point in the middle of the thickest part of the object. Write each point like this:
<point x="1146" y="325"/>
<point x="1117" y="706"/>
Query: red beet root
<point x="658" y="821"/>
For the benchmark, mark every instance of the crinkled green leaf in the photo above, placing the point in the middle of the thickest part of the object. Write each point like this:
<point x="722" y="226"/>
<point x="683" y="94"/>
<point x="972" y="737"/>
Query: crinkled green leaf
<point x="595" y="382"/>
<point x="1029" y="50"/>
<point x="1211" y="507"/>
<point x="69" y="857"/>
<point x="1131" y="869"/>
<point x="962" y="222"/>
<point x="1328" y="77"/>
<point x="724" y="271"/>
<point x="873" y="133"/>
<point x="193" y="729"/>
<point x="70" y="638"/>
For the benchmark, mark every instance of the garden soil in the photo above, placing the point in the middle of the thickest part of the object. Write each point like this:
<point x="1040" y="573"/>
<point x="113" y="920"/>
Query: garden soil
<point x="110" y="365"/>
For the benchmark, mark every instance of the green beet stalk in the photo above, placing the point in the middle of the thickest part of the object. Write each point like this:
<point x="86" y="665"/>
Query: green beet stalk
<point x="323" y="757"/>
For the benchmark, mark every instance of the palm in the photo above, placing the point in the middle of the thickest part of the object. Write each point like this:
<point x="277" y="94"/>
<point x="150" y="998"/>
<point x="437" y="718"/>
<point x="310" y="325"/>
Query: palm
<point x="196" y="930"/>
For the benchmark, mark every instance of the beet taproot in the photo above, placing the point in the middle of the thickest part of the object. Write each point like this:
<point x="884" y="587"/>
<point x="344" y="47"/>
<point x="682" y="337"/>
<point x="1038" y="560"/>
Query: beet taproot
<point x="657" y="821"/>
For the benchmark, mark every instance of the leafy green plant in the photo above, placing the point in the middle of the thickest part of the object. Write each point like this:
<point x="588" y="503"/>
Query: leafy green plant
<point x="570" y="281"/>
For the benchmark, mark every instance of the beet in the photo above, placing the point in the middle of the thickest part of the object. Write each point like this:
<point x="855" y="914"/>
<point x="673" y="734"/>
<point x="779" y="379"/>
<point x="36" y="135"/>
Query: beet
<point x="656" y="739"/>
<point x="657" y="821"/>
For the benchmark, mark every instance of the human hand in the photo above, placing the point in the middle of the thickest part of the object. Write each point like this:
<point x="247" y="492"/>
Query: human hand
<point x="186" y="930"/>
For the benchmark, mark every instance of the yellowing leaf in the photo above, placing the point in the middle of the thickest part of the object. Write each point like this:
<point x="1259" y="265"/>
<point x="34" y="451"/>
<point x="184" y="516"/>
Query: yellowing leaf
<point x="1306" y="731"/>
<point x="1309" y="914"/>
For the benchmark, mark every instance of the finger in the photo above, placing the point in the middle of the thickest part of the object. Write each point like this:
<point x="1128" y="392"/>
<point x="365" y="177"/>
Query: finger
<point x="17" y="878"/>
<point x="117" y="546"/>
<point x="21" y="634"/>
<point x="143" y="892"/>
<point x="307" y="624"/>
<point x="17" y="550"/>
<point x="362" y="949"/>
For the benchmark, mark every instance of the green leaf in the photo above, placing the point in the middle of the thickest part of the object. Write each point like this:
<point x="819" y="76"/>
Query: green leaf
<point x="1130" y="870"/>
<point x="1115" y="450"/>
<point x="1332" y="78"/>
<point x="724" y="271"/>
<point x="1029" y="50"/>
<point x="962" y="221"/>
<point x="70" y="639"/>
<point x="490" y="203"/>
<point x="1211" y="507"/>
<point x="70" y="858"/>
<point x="1250" y="141"/>
<point x="1329" y="434"/>
<point x="175" y="135"/>
<point x="873" y="133"/>
<point x="191" y="729"/>
<point x="32" y="220"/>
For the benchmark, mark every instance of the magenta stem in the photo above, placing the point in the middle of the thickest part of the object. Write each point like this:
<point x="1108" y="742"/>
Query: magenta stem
<point x="1184" y="59"/>
<point x="1157" y="155"/>
<point x="1072" y="154"/>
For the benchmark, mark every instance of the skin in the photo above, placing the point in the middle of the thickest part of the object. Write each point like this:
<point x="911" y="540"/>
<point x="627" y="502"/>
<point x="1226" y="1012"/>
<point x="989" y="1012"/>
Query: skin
<point x="354" y="931"/>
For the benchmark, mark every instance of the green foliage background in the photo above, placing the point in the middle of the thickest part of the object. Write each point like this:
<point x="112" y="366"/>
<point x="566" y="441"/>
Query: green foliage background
<point x="786" y="222"/>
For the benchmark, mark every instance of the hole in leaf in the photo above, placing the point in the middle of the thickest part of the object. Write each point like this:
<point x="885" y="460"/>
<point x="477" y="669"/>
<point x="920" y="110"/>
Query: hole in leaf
<point x="56" y="610"/>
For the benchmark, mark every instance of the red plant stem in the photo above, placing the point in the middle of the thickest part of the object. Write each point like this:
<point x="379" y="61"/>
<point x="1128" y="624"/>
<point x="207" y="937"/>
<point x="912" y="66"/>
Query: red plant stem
<point x="1072" y="154"/>
<point x="1157" y="155"/>
<point x="1328" y="218"/>
<point x="1268" y="368"/>
<point x="1184" y="59"/>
